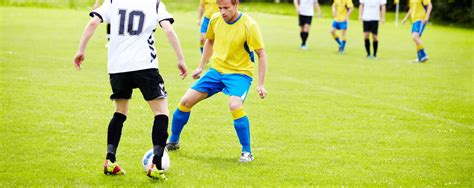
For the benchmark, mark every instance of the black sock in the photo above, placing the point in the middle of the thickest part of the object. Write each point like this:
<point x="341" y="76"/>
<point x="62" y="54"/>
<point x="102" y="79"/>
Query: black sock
<point x="304" y="37"/>
<point x="376" y="45"/>
<point x="108" y="32"/>
<point x="367" y="46"/>
<point x="159" y="136"/>
<point x="113" y="135"/>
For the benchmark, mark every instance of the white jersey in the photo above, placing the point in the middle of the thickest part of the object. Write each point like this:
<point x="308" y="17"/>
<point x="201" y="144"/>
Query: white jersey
<point x="306" y="7"/>
<point x="132" y="24"/>
<point x="372" y="9"/>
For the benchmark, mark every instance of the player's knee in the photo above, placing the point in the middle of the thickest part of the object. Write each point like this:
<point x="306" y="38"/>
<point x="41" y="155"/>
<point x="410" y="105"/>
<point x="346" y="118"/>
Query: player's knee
<point x="186" y="103"/>
<point x="202" y="40"/>
<point x="234" y="105"/>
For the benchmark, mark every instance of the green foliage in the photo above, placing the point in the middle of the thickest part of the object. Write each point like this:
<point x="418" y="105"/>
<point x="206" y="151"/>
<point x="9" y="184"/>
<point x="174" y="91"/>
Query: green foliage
<point x="328" y="120"/>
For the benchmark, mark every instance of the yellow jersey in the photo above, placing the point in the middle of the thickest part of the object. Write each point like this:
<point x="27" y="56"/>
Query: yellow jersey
<point x="234" y="44"/>
<point x="417" y="9"/>
<point x="341" y="9"/>
<point x="210" y="7"/>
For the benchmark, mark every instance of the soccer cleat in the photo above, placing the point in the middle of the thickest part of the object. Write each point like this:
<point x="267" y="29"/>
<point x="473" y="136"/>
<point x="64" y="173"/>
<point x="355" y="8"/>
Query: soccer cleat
<point x="111" y="168"/>
<point x="154" y="173"/>
<point x="424" y="59"/>
<point x="246" y="157"/>
<point x="304" y="47"/>
<point x="170" y="146"/>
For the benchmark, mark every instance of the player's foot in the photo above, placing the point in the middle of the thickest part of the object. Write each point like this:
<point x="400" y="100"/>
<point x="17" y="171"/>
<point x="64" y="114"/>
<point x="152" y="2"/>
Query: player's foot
<point x="341" y="50"/>
<point x="170" y="146"/>
<point x="246" y="157"/>
<point x="370" y="57"/>
<point x="304" y="47"/>
<point x="424" y="59"/>
<point x="111" y="168"/>
<point x="154" y="173"/>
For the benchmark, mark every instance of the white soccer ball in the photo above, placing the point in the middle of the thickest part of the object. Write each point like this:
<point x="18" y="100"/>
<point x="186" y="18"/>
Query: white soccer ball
<point x="148" y="160"/>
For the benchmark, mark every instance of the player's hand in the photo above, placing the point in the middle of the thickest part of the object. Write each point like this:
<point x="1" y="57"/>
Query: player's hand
<point x="404" y="21"/>
<point x="197" y="73"/>
<point x="425" y="21"/>
<point x="261" y="91"/>
<point x="78" y="59"/>
<point x="183" y="71"/>
<point x="382" y="20"/>
<point x="320" y="15"/>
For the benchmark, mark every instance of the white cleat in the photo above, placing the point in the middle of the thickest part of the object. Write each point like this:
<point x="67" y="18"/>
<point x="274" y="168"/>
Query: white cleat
<point x="246" y="157"/>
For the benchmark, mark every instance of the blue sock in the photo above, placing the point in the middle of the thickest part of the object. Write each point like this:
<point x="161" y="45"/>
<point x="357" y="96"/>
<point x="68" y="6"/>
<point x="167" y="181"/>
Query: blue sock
<point x="343" y="45"/>
<point x="242" y="127"/>
<point x="202" y="49"/>
<point x="180" y="119"/>
<point x="338" y="41"/>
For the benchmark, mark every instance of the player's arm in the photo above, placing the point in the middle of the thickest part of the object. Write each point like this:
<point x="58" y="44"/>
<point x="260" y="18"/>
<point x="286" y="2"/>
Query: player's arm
<point x="200" y="13"/>
<point x="361" y="10"/>
<point x="333" y="9"/>
<point x="262" y="70"/>
<point x="406" y="17"/>
<point x="86" y="35"/>
<point x="174" y="41"/>
<point x="206" y="55"/>
<point x="382" y="13"/>
<point x="428" y="13"/>
<point x="296" y="3"/>
<point x="349" y="11"/>
<point x="96" y="4"/>
<point x="318" y="8"/>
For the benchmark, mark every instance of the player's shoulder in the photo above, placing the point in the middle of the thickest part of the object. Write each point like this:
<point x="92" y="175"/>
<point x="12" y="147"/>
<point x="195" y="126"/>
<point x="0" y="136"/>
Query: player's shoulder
<point x="248" y="19"/>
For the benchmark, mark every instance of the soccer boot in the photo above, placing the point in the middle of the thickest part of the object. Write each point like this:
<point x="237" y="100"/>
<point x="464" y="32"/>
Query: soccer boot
<point x="154" y="173"/>
<point x="111" y="168"/>
<point x="246" y="157"/>
<point x="170" y="146"/>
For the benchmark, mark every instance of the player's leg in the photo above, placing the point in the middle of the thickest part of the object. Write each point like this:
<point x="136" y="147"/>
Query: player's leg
<point x="159" y="106"/>
<point x="344" y="38"/>
<point x="304" y="35"/>
<point x="417" y="30"/>
<point x="375" y="43"/>
<point x="333" y="33"/>
<point x="181" y="115"/>
<point x="122" y="92"/>
<point x="206" y="86"/>
<point x="203" y="30"/>
<point x="237" y="87"/>
<point x="365" y="25"/>
<point x="374" y="30"/>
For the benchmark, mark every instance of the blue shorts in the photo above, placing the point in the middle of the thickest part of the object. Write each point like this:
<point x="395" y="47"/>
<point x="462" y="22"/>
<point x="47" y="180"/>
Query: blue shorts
<point x="339" y="25"/>
<point x="418" y="27"/>
<point x="230" y="84"/>
<point x="204" y="24"/>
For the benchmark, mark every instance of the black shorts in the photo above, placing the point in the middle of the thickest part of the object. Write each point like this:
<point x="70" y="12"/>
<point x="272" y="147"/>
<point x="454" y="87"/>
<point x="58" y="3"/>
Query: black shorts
<point x="149" y="82"/>
<point x="305" y="20"/>
<point x="371" y="26"/>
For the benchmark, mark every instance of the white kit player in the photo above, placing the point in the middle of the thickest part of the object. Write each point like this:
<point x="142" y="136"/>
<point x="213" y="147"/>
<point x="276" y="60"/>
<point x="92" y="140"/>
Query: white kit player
<point x="371" y="12"/>
<point x="133" y="63"/>
<point x="305" y="10"/>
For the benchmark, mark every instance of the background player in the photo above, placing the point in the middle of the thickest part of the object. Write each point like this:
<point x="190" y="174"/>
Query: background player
<point x="305" y="10"/>
<point x="420" y="11"/>
<point x="232" y="38"/>
<point x="341" y="11"/>
<point x="132" y="63"/>
<point x="370" y="12"/>
<point x="206" y="9"/>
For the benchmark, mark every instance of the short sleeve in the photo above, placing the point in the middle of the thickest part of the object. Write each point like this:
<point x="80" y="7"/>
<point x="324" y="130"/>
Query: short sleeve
<point x="255" y="39"/>
<point x="163" y="14"/>
<point x="210" y="28"/>
<point x="383" y="2"/>
<point x="350" y="4"/>
<point x="102" y="12"/>
<point x="426" y="2"/>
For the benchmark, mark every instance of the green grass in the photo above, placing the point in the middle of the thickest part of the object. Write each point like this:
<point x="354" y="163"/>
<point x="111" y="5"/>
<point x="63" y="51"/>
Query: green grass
<point x="329" y="119"/>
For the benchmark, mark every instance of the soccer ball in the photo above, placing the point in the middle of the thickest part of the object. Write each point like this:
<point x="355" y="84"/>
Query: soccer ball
<point x="148" y="160"/>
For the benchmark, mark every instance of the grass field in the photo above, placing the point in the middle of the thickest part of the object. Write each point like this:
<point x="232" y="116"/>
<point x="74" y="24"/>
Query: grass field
<point x="329" y="119"/>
